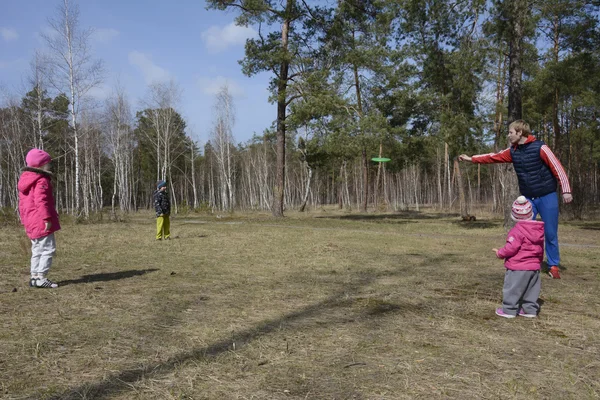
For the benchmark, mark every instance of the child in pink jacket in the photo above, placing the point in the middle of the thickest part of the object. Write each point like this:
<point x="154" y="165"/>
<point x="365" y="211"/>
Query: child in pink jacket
<point x="523" y="255"/>
<point x="38" y="215"/>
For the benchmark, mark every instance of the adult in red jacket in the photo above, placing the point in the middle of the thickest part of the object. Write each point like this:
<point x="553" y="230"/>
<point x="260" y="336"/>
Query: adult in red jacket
<point x="539" y="172"/>
<point x="38" y="215"/>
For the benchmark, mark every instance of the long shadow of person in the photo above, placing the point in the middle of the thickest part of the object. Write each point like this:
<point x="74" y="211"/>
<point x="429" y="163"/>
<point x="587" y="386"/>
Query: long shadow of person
<point x="107" y="276"/>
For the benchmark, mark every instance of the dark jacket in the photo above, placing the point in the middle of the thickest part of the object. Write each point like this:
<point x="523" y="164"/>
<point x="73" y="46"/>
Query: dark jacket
<point x="535" y="177"/>
<point x="162" y="205"/>
<point x="537" y="167"/>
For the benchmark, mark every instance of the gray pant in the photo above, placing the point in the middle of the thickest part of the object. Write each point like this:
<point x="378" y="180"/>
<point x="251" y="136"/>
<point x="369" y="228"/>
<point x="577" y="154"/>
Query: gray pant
<point x="521" y="290"/>
<point x="42" y="250"/>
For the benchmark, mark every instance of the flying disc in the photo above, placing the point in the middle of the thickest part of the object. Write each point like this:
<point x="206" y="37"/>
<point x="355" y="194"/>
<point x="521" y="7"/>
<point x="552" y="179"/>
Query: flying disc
<point x="381" y="159"/>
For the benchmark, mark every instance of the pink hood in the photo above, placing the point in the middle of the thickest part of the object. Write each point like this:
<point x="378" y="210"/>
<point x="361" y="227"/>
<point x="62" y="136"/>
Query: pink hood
<point x="524" y="249"/>
<point x="36" y="203"/>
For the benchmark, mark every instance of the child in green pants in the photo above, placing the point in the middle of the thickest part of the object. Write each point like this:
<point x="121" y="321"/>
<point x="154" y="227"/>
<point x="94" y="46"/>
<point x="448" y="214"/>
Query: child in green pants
<point x="162" y="206"/>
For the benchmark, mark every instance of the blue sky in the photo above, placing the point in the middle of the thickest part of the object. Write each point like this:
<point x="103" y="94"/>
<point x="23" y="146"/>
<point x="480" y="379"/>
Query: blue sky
<point x="145" y="41"/>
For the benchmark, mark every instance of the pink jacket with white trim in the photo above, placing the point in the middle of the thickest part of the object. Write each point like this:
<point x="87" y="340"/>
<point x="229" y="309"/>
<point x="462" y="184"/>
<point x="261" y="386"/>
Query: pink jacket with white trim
<point x="36" y="203"/>
<point x="524" y="249"/>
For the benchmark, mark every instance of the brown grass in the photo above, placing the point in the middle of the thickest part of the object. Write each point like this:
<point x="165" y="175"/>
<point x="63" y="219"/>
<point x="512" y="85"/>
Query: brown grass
<point x="326" y="305"/>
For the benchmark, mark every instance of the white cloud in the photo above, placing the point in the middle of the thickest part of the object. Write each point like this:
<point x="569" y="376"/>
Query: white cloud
<point x="99" y="92"/>
<point x="151" y="71"/>
<point x="220" y="38"/>
<point x="104" y="35"/>
<point x="9" y="34"/>
<point x="212" y="86"/>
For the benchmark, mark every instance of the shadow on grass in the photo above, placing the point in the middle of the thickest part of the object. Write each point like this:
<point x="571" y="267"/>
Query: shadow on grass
<point x="122" y="381"/>
<point x="593" y="226"/>
<point x="405" y="216"/>
<point x="477" y="224"/>
<point x="108" y="276"/>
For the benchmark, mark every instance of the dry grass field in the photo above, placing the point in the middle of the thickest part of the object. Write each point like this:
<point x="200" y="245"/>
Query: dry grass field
<point x="323" y="305"/>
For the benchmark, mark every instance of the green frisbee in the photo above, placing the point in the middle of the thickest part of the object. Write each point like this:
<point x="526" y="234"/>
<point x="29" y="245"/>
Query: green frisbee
<point x="381" y="159"/>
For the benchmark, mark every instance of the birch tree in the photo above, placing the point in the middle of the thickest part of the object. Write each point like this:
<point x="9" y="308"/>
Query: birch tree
<point x="163" y="128"/>
<point x="163" y="99"/>
<point x="12" y="155"/>
<point x="193" y="155"/>
<point x="36" y="103"/>
<point x="222" y="140"/>
<point x="118" y="122"/>
<point x="72" y="69"/>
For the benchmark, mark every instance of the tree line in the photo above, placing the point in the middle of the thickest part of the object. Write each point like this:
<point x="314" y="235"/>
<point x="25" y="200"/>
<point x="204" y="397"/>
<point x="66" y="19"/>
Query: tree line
<point x="416" y="81"/>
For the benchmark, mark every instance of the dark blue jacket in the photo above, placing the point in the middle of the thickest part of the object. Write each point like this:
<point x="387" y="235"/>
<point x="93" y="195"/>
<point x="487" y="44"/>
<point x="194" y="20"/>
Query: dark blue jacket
<point x="535" y="177"/>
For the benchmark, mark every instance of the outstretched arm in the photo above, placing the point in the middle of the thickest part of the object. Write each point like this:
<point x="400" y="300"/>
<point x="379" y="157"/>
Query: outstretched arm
<point x="489" y="158"/>
<point x="493" y="158"/>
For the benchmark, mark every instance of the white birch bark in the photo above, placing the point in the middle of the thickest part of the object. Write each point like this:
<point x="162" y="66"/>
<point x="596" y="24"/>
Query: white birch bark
<point x="72" y="70"/>
<point x="222" y="139"/>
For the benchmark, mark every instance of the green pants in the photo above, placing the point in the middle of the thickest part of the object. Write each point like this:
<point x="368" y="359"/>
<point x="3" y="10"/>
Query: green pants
<point x="163" y="227"/>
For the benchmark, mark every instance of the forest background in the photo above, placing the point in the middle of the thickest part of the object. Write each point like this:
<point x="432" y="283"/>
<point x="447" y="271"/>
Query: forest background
<point x="416" y="81"/>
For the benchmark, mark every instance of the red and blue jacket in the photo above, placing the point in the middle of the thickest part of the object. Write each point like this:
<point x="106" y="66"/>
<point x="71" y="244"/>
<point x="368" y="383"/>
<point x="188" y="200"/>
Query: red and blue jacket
<point x="538" y="170"/>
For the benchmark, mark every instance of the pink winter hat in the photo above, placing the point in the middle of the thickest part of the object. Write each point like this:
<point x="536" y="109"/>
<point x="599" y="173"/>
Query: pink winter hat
<point x="37" y="158"/>
<point x="521" y="209"/>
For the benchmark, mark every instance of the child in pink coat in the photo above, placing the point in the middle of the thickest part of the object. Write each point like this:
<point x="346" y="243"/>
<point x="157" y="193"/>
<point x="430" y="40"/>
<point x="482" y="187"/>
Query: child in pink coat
<point x="38" y="215"/>
<point x="523" y="255"/>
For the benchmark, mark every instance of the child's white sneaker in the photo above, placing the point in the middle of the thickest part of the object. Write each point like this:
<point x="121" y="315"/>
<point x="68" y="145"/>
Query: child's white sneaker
<point x="45" y="283"/>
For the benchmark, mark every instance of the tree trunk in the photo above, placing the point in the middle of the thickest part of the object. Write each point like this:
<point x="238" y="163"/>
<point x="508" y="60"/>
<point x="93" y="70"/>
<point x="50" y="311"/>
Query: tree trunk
<point x="498" y="191"/>
<point x="194" y="189"/>
<point x="555" y="121"/>
<point x="73" y="94"/>
<point x="339" y="187"/>
<point x="500" y="80"/>
<point x="519" y="13"/>
<point x="515" y="70"/>
<point x="464" y="209"/>
<point x="365" y="164"/>
<point x="378" y="178"/>
<point x="306" y="188"/>
<point x="365" y="200"/>
<point x="447" y="172"/>
<point x="439" y="177"/>
<point x="279" y="187"/>
<point x="346" y="185"/>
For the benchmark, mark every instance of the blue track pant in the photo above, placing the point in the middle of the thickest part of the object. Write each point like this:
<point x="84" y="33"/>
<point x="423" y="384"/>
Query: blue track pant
<point x="547" y="207"/>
